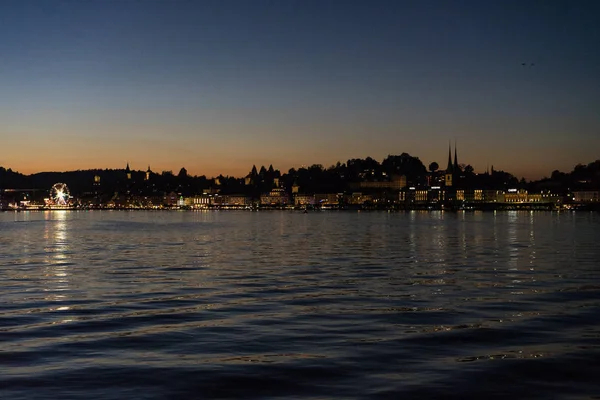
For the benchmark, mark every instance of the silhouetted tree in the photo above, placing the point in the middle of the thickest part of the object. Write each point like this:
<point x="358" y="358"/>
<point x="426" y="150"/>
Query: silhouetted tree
<point x="407" y="165"/>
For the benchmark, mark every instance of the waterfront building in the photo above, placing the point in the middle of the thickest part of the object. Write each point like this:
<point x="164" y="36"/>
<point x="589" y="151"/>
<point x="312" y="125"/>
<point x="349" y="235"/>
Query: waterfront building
<point x="304" y="200"/>
<point x="171" y="199"/>
<point x="521" y="196"/>
<point x="233" y="201"/>
<point x="199" y="201"/>
<point x="359" y="198"/>
<point x="275" y="197"/>
<point x="421" y="196"/>
<point x="327" y="199"/>
<point x="141" y="201"/>
<point x="155" y="201"/>
<point x="493" y="196"/>
<point x="118" y="201"/>
<point x="435" y="195"/>
<point x="295" y="187"/>
<point x="97" y="189"/>
<point x="396" y="182"/>
<point x="586" y="196"/>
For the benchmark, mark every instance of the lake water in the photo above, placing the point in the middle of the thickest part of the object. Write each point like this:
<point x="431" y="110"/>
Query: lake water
<point x="281" y="304"/>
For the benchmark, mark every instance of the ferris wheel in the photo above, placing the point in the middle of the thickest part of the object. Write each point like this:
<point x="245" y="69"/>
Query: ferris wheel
<point x="59" y="194"/>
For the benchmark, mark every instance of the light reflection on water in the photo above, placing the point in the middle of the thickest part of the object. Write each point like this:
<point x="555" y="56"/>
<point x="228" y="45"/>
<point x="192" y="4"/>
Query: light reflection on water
<point x="318" y="305"/>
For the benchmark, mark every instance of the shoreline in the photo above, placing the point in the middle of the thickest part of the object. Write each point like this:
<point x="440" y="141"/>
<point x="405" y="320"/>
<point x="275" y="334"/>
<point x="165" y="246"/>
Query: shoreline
<point x="585" y="207"/>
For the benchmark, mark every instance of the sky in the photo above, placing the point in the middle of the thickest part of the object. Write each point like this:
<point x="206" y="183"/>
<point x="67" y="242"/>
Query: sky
<point x="219" y="86"/>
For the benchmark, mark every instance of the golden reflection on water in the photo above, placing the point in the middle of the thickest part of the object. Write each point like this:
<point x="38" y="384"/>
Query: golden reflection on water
<point x="532" y="255"/>
<point x="57" y="258"/>
<point x="513" y="240"/>
<point x="27" y="238"/>
<point x="521" y="245"/>
<point x="412" y="237"/>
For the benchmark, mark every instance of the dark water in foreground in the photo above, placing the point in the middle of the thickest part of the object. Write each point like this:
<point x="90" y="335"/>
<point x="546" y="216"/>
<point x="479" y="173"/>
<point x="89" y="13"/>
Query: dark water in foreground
<point x="155" y="305"/>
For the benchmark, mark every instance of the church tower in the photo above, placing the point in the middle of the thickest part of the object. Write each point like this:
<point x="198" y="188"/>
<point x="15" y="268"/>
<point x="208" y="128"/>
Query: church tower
<point x="128" y="172"/>
<point x="456" y="167"/>
<point x="148" y="172"/>
<point x="450" y="169"/>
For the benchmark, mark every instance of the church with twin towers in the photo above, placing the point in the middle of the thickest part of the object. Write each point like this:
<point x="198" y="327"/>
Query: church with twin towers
<point x="453" y="170"/>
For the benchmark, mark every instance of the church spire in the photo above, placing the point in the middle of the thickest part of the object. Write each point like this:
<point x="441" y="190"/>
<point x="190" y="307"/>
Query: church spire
<point x="449" y="169"/>
<point x="455" y="158"/>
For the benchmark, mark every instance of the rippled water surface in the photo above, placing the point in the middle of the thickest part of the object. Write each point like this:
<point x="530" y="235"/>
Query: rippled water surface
<point x="156" y="305"/>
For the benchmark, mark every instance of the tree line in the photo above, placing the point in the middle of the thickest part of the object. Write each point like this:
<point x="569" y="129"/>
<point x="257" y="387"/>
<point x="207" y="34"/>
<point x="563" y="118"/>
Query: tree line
<point x="310" y="179"/>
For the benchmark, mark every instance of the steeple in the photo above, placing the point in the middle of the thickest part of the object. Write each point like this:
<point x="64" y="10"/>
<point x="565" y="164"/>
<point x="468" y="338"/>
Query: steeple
<point x="455" y="158"/>
<point x="128" y="171"/>
<point x="449" y="169"/>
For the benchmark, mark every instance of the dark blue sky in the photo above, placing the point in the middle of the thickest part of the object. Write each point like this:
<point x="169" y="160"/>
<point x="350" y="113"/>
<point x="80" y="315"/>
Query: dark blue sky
<point x="217" y="86"/>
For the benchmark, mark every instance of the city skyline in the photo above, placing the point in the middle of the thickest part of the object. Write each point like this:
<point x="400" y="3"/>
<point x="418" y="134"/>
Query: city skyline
<point x="441" y="167"/>
<point x="217" y="87"/>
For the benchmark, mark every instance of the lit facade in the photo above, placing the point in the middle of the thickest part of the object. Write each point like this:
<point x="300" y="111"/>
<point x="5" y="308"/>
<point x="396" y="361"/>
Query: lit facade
<point x="231" y="200"/>
<point x="587" y="196"/>
<point x="359" y="198"/>
<point x="276" y="197"/>
<point x="303" y="200"/>
<point x="521" y="196"/>
<point x="327" y="198"/>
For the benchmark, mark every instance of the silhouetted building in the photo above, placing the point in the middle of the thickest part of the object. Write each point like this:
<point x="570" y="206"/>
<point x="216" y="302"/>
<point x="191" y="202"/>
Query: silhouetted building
<point x="396" y="182"/>
<point x="588" y="196"/>
<point x="449" y="175"/>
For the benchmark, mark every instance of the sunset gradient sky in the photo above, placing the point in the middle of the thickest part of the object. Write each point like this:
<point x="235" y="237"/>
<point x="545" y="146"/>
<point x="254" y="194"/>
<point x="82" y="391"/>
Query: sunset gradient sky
<point x="217" y="86"/>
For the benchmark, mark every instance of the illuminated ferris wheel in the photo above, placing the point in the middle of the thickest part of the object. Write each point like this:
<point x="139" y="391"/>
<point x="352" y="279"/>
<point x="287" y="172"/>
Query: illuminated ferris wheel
<point x="59" y="194"/>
